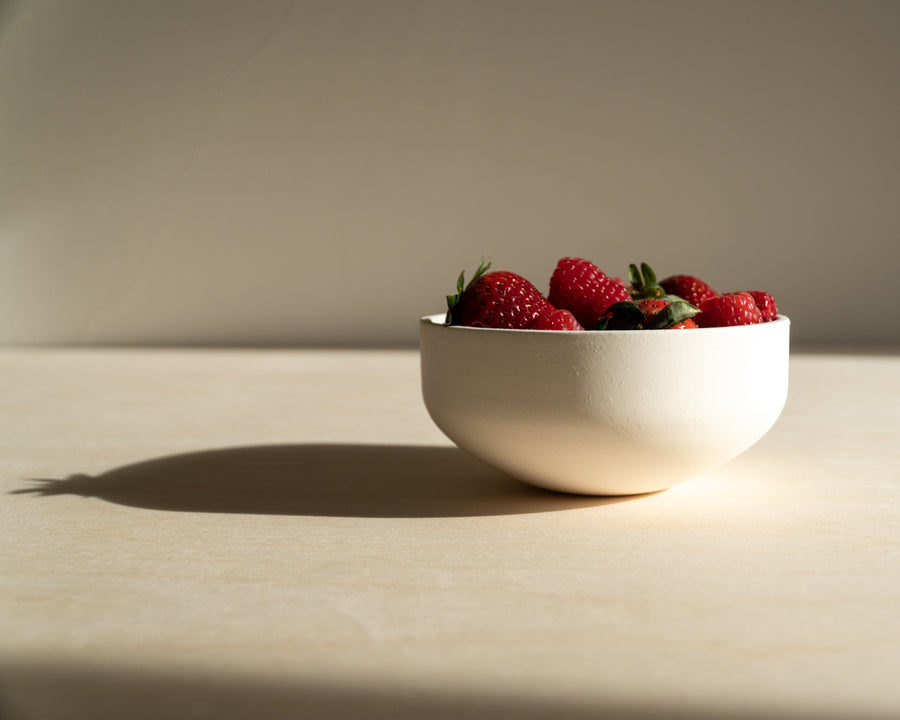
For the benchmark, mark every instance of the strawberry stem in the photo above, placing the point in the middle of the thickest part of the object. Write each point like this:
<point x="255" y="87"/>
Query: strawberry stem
<point x="623" y="315"/>
<point x="675" y="312"/>
<point x="644" y="284"/>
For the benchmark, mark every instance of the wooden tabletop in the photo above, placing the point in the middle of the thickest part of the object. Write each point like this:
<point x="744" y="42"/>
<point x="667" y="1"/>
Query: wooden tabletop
<point x="284" y="533"/>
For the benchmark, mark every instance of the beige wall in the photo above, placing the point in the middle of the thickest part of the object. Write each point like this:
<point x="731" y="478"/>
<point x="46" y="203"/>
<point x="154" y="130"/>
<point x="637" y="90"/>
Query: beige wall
<point x="318" y="172"/>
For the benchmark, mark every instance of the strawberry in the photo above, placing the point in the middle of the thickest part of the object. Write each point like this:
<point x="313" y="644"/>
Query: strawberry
<point x="497" y="299"/>
<point x="766" y="304"/>
<point x="553" y="319"/>
<point x="665" y="313"/>
<point x="729" y="309"/>
<point x="582" y="288"/>
<point x="688" y="288"/>
<point x="657" y="313"/>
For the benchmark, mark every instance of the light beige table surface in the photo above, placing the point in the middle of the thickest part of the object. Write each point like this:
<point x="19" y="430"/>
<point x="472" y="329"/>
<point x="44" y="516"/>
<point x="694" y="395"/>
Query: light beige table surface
<point x="282" y="533"/>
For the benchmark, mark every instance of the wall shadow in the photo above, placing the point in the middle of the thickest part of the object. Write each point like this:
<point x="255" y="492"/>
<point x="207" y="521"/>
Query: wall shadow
<point x="349" y="480"/>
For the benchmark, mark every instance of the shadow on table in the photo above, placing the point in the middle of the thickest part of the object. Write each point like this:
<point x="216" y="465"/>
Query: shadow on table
<point x="844" y="349"/>
<point x="55" y="690"/>
<point x="352" y="480"/>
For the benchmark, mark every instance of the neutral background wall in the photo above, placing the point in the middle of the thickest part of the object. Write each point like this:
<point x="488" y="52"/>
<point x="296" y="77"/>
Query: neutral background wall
<point x="224" y="171"/>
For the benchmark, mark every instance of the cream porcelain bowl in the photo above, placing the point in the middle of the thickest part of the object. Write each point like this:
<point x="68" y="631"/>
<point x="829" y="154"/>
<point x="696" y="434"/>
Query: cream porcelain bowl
<point x="604" y="413"/>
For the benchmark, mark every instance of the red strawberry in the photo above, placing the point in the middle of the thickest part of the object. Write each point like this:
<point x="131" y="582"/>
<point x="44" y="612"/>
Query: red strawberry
<point x="553" y="319"/>
<point x="766" y="304"/>
<point x="495" y="300"/>
<point x="729" y="309"/>
<point x="689" y="288"/>
<point x="677" y="317"/>
<point x="649" y="314"/>
<point x="583" y="289"/>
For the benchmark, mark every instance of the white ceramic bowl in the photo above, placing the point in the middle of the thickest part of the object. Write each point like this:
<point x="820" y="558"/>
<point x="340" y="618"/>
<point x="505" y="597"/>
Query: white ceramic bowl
<point x="604" y="413"/>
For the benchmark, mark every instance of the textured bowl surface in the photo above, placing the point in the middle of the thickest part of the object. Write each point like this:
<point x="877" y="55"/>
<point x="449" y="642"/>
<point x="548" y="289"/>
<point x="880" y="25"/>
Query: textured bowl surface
<point x="604" y="413"/>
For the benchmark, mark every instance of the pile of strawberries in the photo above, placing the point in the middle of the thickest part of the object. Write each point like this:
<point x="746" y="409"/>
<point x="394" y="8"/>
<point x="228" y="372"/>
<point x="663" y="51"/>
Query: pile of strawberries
<point x="583" y="297"/>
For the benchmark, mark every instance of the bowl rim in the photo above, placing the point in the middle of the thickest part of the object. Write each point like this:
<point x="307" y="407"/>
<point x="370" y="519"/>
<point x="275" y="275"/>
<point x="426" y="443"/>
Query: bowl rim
<point x="439" y="320"/>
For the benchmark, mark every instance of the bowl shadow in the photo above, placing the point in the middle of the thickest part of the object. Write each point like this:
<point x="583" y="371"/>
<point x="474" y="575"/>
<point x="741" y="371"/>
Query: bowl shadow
<point x="344" y="480"/>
